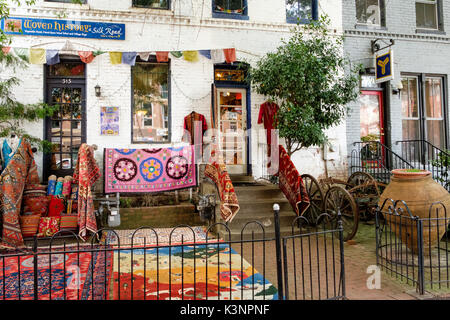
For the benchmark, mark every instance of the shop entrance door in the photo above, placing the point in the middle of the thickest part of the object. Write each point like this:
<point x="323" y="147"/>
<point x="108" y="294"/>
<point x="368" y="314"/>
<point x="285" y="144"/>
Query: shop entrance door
<point x="66" y="129"/>
<point x="232" y="125"/>
<point x="372" y="127"/>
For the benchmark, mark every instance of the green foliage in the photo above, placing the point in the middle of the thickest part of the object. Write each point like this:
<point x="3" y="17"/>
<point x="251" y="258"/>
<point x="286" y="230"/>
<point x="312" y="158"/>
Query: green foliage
<point x="443" y="161"/>
<point x="14" y="114"/>
<point x="311" y="80"/>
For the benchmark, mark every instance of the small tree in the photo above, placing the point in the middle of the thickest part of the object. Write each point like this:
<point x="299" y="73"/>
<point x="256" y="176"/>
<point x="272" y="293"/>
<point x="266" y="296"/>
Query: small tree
<point x="311" y="80"/>
<point x="14" y="114"/>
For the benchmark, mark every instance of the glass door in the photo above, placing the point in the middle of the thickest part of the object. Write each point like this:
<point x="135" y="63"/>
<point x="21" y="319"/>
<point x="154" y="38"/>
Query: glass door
<point x="372" y="128"/>
<point x="232" y="122"/>
<point x="66" y="129"/>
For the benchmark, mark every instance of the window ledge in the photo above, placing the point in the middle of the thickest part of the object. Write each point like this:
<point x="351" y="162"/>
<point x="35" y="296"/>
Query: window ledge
<point x="298" y="21"/>
<point x="64" y="5"/>
<point x="151" y="10"/>
<point x="430" y="31"/>
<point x="370" y="27"/>
<point x="235" y="16"/>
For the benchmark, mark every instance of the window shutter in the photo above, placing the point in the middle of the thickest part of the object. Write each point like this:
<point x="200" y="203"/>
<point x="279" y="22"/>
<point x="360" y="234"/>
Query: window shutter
<point x="440" y="9"/>
<point x="383" y="13"/>
<point x="315" y="9"/>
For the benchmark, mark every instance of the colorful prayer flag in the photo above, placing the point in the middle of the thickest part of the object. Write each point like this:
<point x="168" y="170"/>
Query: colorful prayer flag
<point x="37" y="56"/>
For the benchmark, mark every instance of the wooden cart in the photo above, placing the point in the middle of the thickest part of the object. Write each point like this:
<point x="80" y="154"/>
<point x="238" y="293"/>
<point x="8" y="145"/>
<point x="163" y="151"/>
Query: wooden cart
<point x="354" y="199"/>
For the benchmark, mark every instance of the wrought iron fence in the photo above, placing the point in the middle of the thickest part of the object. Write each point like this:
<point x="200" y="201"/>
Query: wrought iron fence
<point x="180" y="263"/>
<point x="412" y="249"/>
<point x="321" y="250"/>
<point x="376" y="159"/>
<point x="426" y="156"/>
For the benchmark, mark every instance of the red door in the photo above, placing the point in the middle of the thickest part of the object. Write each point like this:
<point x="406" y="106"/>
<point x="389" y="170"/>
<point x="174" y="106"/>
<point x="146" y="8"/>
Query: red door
<point x="372" y="127"/>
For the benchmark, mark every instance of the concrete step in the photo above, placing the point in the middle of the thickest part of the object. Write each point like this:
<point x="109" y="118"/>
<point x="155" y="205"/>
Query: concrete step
<point x="267" y="220"/>
<point x="250" y="208"/>
<point x="238" y="178"/>
<point x="253" y="192"/>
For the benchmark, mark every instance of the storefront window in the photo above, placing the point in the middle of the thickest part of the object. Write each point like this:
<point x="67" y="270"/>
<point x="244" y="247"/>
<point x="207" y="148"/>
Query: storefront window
<point x="156" y="4"/>
<point x="368" y="12"/>
<point x="301" y="10"/>
<point x="427" y="14"/>
<point x="150" y="103"/>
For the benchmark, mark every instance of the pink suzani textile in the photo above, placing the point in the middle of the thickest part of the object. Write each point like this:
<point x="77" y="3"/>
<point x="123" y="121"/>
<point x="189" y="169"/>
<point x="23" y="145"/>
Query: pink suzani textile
<point x="149" y="170"/>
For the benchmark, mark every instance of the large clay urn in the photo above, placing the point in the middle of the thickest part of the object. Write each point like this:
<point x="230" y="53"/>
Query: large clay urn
<point x="419" y="191"/>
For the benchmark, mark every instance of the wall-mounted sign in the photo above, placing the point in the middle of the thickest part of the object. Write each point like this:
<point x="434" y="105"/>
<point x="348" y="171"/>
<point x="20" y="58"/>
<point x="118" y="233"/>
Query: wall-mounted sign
<point x="109" y="121"/>
<point x="384" y="66"/>
<point x="63" y="28"/>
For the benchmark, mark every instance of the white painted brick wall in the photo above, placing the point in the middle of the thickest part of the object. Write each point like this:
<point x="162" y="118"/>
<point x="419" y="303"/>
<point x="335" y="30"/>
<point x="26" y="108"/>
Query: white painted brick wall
<point x="177" y="29"/>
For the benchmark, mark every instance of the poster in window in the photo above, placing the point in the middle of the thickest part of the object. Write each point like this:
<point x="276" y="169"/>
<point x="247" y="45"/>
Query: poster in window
<point x="109" y="121"/>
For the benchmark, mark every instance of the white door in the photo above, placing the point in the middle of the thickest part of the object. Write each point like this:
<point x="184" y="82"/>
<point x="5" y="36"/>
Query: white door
<point x="232" y="124"/>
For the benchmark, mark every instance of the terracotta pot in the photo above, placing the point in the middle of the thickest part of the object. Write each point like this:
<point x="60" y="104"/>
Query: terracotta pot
<point x="419" y="191"/>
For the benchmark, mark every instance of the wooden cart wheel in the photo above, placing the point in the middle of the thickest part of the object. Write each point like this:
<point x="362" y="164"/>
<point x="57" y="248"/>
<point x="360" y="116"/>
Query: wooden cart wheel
<point x="337" y="200"/>
<point x="315" y="194"/>
<point x="361" y="184"/>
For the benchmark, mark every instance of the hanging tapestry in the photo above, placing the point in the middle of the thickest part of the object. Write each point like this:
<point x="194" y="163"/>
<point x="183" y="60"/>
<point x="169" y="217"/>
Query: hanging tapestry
<point x="149" y="170"/>
<point x="229" y="205"/>
<point x="291" y="183"/>
<point x="86" y="173"/>
<point x="20" y="172"/>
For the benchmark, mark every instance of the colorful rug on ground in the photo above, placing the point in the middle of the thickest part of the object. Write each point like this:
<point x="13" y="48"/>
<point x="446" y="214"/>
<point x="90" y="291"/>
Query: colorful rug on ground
<point x="201" y="272"/>
<point x="160" y="236"/>
<point x="71" y="276"/>
<point x="291" y="183"/>
<point x="149" y="170"/>
<point x="229" y="205"/>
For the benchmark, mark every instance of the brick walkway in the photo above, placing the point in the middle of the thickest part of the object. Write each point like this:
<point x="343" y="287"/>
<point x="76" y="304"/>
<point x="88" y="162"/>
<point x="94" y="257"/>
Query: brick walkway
<point x="358" y="257"/>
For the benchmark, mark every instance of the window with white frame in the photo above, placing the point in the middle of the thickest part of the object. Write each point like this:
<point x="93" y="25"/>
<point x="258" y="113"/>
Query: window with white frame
<point x="427" y="14"/>
<point x="301" y="10"/>
<point x="369" y="12"/>
<point x="423" y="119"/>
<point x="154" y="4"/>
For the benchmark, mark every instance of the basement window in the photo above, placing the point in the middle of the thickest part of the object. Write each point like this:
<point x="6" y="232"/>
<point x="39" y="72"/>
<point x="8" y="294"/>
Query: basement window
<point x="301" y="11"/>
<point x="153" y="4"/>
<point x="230" y="9"/>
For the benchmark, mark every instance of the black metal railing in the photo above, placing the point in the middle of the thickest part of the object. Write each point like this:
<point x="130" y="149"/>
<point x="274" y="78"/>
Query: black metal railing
<point x="424" y="155"/>
<point x="376" y="159"/>
<point x="321" y="250"/>
<point x="412" y="249"/>
<point x="178" y="263"/>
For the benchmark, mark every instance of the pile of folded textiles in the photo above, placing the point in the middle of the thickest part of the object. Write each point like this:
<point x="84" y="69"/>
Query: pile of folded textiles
<point x="50" y="209"/>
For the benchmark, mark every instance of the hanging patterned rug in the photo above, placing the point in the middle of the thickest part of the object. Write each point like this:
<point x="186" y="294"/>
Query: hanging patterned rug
<point x="214" y="274"/>
<point x="149" y="170"/>
<point x="160" y="236"/>
<point x="69" y="278"/>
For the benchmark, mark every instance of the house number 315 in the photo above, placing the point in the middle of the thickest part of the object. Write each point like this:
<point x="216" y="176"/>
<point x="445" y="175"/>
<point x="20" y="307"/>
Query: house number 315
<point x="66" y="81"/>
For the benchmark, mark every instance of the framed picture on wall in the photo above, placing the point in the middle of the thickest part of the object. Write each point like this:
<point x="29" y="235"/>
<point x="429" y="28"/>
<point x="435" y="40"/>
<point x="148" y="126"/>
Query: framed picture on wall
<point x="109" y="121"/>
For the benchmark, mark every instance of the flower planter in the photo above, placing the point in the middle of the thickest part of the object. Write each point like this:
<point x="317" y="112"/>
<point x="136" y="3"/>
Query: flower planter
<point x="419" y="191"/>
